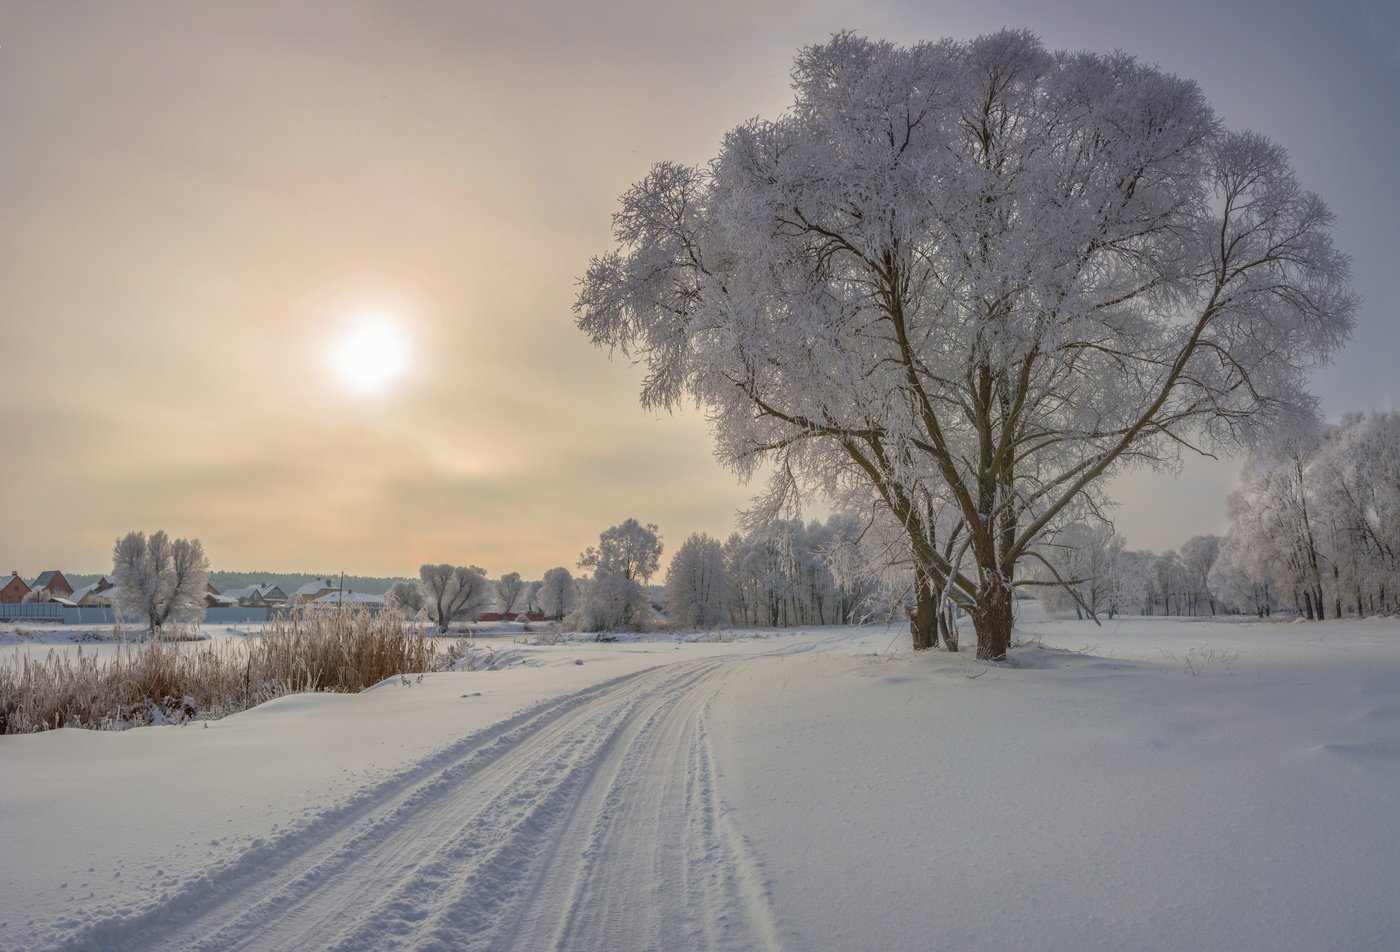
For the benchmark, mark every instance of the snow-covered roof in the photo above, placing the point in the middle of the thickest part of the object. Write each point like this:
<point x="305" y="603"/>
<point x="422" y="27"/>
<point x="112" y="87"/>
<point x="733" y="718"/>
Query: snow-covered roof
<point x="351" y="598"/>
<point x="46" y="577"/>
<point x="317" y="585"/>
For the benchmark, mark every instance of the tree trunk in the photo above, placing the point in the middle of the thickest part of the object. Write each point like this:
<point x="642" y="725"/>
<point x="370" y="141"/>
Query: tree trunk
<point x="992" y="619"/>
<point x="945" y="626"/>
<point x="923" y="623"/>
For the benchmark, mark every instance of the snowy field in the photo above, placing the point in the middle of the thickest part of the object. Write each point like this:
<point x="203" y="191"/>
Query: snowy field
<point x="1151" y="784"/>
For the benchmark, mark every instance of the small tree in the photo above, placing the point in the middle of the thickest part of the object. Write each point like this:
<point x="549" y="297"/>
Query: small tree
<point x="613" y="603"/>
<point x="532" y="596"/>
<point x="509" y="591"/>
<point x="407" y="596"/>
<point x="558" y="595"/>
<point x="160" y="580"/>
<point x="454" y="592"/>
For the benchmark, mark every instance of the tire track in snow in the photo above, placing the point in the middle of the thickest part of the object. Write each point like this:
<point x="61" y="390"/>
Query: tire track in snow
<point x="588" y="822"/>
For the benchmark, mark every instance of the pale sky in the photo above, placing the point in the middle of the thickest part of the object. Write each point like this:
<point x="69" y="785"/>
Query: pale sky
<point x="201" y="201"/>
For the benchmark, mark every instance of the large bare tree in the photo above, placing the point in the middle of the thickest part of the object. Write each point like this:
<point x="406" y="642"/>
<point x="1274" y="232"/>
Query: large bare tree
<point x="978" y="272"/>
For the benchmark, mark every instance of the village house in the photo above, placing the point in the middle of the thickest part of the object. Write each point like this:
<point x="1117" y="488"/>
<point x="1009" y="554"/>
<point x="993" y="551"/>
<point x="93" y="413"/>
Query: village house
<point x="213" y="599"/>
<point x="350" y="598"/>
<point x="54" y="583"/>
<point x="96" y="595"/>
<point x="14" y="590"/>
<point x="258" y="596"/>
<point x="316" y="589"/>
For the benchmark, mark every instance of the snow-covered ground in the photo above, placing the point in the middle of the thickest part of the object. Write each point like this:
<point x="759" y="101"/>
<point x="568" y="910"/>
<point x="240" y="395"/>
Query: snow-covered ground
<point x="1151" y="784"/>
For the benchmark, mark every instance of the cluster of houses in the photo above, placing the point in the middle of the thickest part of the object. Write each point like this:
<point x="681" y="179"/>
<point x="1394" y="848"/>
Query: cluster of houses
<point x="54" y="587"/>
<point x="51" y="586"/>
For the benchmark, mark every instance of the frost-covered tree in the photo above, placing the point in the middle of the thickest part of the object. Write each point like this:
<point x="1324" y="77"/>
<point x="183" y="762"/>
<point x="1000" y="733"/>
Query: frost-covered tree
<point x="974" y="268"/>
<point x="1198" y="555"/>
<point x="558" y="595"/>
<point x="1086" y="568"/>
<point x="613" y="602"/>
<point x="631" y="550"/>
<point x="626" y="557"/>
<point x="532" y="595"/>
<point x="407" y="596"/>
<point x="695" y="580"/>
<point x="159" y="579"/>
<point x="509" y="591"/>
<point x="783" y="574"/>
<point x="1315" y="522"/>
<point x="454" y="592"/>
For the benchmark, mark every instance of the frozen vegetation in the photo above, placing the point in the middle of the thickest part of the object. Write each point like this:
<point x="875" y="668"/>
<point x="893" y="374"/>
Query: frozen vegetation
<point x="1152" y="783"/>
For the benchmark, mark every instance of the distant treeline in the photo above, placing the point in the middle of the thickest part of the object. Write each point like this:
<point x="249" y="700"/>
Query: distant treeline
<point x="224" y="581"/>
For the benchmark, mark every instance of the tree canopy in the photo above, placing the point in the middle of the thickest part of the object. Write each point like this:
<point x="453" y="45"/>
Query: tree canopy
<point x="974" y="277"/>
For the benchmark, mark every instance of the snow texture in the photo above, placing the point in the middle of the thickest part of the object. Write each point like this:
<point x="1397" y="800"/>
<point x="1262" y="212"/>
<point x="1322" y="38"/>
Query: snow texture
<point x="1151" y="784"/>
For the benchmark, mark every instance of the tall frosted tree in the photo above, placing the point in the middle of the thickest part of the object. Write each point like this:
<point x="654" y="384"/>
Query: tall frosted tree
<point x="625" y="559"/>
<point x="510" y="590"/>
<point x="557" y="595"/>
<point x="160" y="580"/>
<point x="979" y="270"/>
<point x="695" y="583"/>
<point x="630" y="550"/>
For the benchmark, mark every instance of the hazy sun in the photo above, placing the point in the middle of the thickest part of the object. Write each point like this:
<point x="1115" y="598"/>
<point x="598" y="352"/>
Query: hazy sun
<point x="371" y="352"/>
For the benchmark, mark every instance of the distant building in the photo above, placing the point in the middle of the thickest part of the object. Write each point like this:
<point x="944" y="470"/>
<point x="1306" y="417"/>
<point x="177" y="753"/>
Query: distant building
<point x="272" y="594"/>
<point x="96" y="595"/>
<point x="510" y="616"/>
<point x="212" y="598"/>
<point x="14" y="589"/>
<point x="316" y="589"/>
<point x="258" y="595"/>
<point x="54" y="582"/>
<point x="350" y="598"/>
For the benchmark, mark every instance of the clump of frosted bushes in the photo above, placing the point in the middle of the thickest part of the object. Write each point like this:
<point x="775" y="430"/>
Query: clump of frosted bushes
<point x="160" y="680"/>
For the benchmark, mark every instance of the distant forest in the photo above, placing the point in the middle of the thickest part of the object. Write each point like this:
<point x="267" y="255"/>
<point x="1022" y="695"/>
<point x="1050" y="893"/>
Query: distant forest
<point x="224" y="581"/>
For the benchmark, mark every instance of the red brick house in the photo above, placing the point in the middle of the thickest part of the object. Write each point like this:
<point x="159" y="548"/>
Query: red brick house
<point x="13" y="590"/>
<point x="54" y="581"/>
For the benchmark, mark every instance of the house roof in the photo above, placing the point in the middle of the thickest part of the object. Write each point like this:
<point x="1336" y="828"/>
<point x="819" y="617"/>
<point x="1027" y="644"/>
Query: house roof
<point x="318" y="585"/>
<point x="351" y="598"/>
<point x="46" y="577"/>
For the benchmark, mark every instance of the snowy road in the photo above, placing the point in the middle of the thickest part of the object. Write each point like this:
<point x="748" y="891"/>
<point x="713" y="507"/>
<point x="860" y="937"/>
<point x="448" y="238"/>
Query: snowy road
<point x="498" y="844"/>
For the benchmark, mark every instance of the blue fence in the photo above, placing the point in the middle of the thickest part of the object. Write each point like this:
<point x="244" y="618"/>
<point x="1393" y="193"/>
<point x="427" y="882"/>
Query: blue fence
<point x="78" y="615"/>
<point x="38" y="611"/>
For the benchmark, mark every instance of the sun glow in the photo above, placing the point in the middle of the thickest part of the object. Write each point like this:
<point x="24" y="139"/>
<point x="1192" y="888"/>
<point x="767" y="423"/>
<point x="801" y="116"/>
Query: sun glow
<point x="371" y="352"/>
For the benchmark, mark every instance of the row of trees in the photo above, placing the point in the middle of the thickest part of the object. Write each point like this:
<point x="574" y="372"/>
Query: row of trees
<point x="1315" y="524"/>
<point x="779" y="575"/>
<point x="1087" y="569"/>
<point x="1314" y="531"/>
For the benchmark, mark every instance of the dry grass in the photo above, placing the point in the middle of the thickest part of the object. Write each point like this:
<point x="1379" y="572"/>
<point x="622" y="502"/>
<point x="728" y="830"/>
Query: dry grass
<point x="161" y="681"/>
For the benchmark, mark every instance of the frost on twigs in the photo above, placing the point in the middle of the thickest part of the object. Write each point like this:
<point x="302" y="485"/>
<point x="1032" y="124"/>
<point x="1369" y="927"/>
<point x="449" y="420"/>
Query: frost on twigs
<point x="975" y="277"/>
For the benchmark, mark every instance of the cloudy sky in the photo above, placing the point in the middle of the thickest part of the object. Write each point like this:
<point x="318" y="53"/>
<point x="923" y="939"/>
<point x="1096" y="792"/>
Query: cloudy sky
<point x="202" y="204"/>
